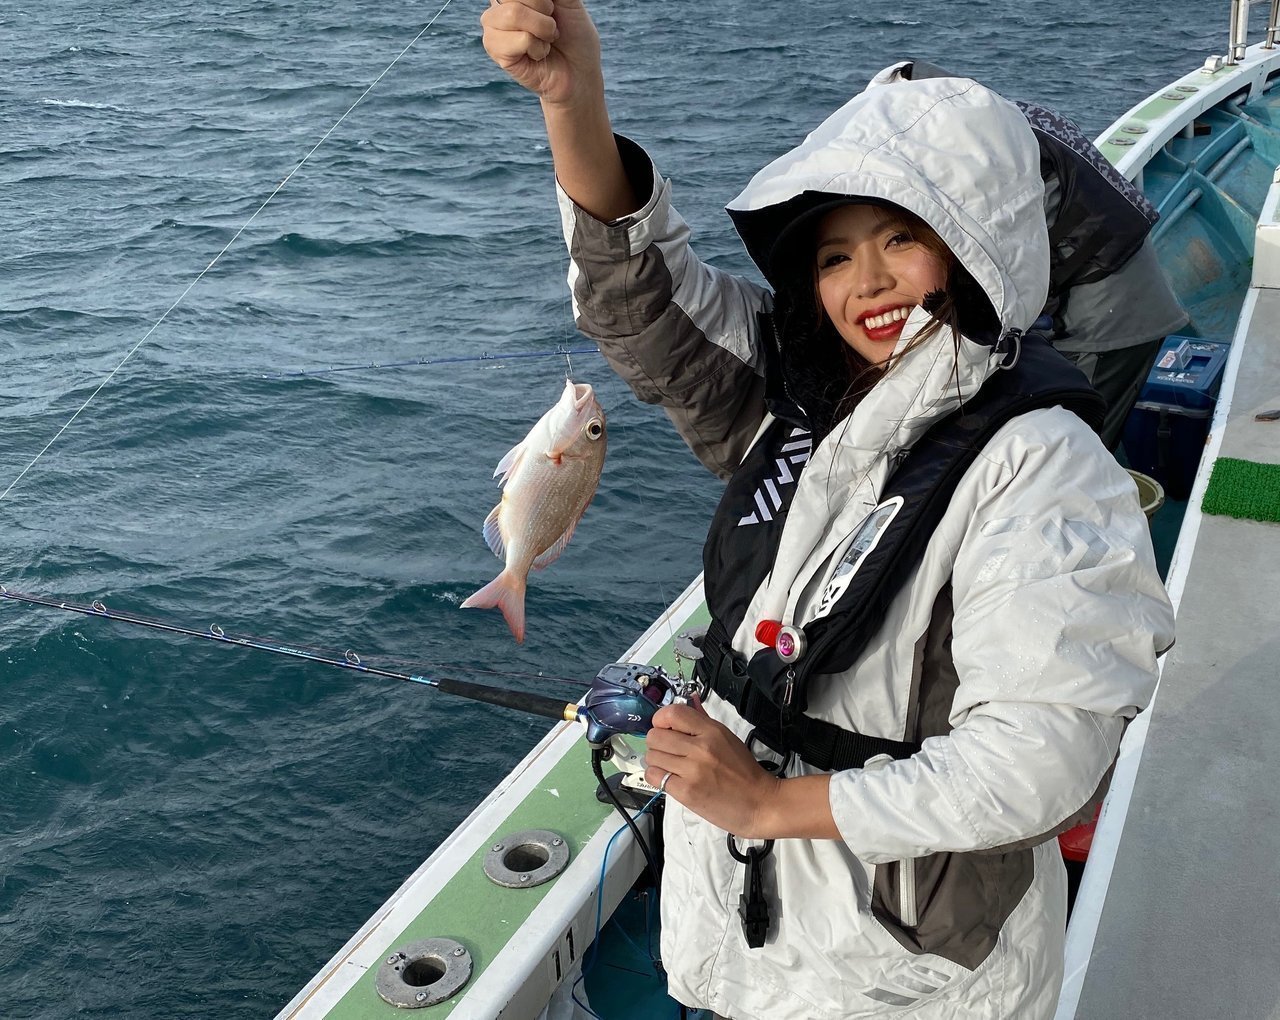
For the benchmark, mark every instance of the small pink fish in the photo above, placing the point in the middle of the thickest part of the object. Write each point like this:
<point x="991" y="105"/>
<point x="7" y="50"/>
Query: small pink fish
<point x="547" y="482"/>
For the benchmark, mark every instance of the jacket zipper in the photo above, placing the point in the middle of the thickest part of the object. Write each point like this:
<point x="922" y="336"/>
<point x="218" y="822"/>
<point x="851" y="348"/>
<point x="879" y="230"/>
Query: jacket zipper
<point x="786" y="385"/>
<point x="908" y="910"/>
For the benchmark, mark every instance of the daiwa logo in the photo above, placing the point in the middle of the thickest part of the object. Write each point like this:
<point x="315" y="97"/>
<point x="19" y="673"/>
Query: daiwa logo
<point x="794" y="453"/>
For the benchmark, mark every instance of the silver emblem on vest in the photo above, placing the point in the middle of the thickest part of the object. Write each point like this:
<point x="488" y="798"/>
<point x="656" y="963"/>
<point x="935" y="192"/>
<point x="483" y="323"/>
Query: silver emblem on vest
<point x="864" y="540"/>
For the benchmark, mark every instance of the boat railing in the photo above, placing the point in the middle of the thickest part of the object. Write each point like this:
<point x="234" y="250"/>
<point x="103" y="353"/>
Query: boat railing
<point x="1240" y="28"/>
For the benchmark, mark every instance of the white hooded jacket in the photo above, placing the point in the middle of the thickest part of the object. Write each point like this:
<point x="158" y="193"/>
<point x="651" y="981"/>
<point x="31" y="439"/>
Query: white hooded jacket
<point x="1037" y="596"/>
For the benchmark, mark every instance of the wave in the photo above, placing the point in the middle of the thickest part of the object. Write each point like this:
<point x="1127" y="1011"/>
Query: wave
<point x="297" y="246"/>
<point x="291" y="93"/>
<point x="82" y="104"/>
<point x="77" y="52"/>
<point x="1091" y="24"/>
<point x="41" y="317"/>
<point x="756" y="48"/>
<point x="218" y="233"/>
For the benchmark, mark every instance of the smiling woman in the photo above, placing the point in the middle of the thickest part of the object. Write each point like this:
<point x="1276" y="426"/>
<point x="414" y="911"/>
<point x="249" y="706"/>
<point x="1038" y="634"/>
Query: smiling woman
<point x="182" y="816"/>
<point x="874" y="266"/>
<point x="908" y="693"/>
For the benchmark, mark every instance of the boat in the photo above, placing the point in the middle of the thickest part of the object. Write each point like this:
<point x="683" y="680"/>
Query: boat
<point x="540" y="905"/>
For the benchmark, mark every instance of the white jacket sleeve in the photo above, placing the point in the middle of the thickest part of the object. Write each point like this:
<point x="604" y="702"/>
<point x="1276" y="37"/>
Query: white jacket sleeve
<point x="1059" y="617"/>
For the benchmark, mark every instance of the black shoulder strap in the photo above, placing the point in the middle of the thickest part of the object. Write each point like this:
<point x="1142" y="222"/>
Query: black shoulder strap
<point x="772" y="694"/>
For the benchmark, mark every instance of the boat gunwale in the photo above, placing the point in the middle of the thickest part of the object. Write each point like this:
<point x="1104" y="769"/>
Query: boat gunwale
<point x="366" y="948"/>
<point x="1257" y="73"/>
<point x="1163" y="119"/>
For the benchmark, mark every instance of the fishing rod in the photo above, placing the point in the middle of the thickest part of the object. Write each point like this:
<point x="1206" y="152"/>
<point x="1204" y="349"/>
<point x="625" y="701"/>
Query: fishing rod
<point x="534" y="704"/>
<point x="559" y="352"/>
<point x="621" y="699"/>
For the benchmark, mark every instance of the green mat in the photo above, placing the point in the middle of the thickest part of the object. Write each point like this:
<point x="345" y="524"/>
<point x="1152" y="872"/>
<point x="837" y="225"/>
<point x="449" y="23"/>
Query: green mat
<point x="1245" y="489"/>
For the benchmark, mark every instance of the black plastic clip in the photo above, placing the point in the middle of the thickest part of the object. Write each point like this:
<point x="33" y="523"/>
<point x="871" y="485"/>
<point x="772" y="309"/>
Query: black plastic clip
<point x="753" y="908"/>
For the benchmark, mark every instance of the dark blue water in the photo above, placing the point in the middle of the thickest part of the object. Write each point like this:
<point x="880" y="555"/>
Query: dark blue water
<point x="188" y="830"/>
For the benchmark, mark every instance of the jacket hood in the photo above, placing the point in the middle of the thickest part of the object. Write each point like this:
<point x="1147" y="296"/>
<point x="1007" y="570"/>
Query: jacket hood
<point x="966" y="162"/>
<point x="951" y="151"/>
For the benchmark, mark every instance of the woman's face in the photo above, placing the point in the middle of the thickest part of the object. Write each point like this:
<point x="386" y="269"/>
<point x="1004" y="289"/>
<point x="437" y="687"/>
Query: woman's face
<point x="871" y="274"/>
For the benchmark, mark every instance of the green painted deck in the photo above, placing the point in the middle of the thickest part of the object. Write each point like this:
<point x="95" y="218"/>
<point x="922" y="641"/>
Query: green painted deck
<point x="476" y="912"/>
<point x="483" y="916"/>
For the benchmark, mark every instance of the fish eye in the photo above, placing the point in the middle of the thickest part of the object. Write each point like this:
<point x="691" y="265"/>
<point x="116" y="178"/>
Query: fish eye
<point x="595" y="428"/>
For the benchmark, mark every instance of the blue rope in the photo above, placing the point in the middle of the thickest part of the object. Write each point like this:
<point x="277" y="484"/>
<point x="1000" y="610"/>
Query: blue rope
<point x="559" y="352"/>
<point x="589" y="960"/>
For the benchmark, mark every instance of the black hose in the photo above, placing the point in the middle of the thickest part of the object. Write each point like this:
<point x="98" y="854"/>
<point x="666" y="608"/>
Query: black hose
<point x="598" y="755"/>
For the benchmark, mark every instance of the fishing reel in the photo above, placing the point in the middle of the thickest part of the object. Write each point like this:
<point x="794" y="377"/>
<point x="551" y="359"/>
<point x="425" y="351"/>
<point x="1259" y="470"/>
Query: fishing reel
<point x="623" y="698"/>
<point x="621" y="702"/>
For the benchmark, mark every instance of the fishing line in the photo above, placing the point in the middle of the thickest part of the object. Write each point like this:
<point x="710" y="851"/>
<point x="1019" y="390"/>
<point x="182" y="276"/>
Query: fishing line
<point x="278" y="188"/>
<point x="535" y="704"/>
<point x="378" y="366"/>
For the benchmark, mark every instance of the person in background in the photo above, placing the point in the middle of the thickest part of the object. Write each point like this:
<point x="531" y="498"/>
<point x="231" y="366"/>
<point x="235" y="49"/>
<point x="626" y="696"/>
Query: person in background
<point x="1110" y="304"/>
<point x="933" y="596"/>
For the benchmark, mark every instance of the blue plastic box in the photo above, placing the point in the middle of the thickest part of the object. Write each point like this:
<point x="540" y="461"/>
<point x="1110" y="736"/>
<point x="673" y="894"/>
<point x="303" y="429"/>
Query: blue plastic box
<point x="1165" y="434"/>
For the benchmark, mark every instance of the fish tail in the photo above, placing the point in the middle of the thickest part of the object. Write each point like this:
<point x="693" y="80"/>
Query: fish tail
<point x="506" y="592"/>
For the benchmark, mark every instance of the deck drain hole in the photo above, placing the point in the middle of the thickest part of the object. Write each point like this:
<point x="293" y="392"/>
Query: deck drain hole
<point x="423" y="973"/>
<point x="527" y="857"/>
<point x="524" y="859"/>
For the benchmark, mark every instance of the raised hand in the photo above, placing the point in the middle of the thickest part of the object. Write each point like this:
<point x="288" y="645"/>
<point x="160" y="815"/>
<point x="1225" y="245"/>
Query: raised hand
<point x="551" y="47"/>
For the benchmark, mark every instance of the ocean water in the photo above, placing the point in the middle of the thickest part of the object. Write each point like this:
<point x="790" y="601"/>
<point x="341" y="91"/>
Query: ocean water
<point x="191" y="830"/>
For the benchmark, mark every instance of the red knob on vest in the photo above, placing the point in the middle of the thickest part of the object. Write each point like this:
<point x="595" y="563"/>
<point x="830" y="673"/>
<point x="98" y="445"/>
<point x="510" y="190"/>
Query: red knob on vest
<point x="767" y="631"/>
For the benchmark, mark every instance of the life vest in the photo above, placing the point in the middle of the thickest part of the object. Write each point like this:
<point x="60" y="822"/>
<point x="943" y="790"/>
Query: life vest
<point x="771" y="694"/>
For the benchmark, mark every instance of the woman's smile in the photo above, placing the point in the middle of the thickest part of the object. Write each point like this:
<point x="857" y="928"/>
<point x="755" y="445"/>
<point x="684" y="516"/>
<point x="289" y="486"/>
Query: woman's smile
<point x="883" y="324"/>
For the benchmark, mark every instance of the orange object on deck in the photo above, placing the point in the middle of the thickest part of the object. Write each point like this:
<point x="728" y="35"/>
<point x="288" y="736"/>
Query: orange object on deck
<point x="1075" y="843"/>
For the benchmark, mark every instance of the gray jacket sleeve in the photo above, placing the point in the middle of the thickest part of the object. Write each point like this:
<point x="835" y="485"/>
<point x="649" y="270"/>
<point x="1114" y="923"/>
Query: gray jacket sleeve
<point x="680" y="333"/>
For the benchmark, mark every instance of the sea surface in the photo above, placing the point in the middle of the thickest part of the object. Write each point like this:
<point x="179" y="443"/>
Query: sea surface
<point x="189" y="829"/>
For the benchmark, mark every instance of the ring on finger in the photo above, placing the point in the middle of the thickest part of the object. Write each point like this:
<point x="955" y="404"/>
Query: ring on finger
<point x="662" y="787"/>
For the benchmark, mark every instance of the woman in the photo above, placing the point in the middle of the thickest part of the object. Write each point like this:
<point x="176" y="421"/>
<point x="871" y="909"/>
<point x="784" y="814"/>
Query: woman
<point x="933" y="591"/>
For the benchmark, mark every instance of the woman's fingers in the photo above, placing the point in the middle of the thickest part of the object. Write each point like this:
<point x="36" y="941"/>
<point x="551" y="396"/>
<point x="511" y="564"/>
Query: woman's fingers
<point x="519" y="36"/>
<point x="688" y="742"/>
<point x="541" y="6"/>
<point x="683" y="718"/>
<point x="512" y="22"/>
<point x="550" y="48"/>
<point x="712" y="772"/>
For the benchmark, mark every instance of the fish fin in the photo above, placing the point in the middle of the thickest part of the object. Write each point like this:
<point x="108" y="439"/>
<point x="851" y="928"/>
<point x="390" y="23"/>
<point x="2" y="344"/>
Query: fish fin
<point x="509" y="463"/>
<point x="506" y="592"/>
<point x="553" y="551"/>
<point x="493" y="532"/>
